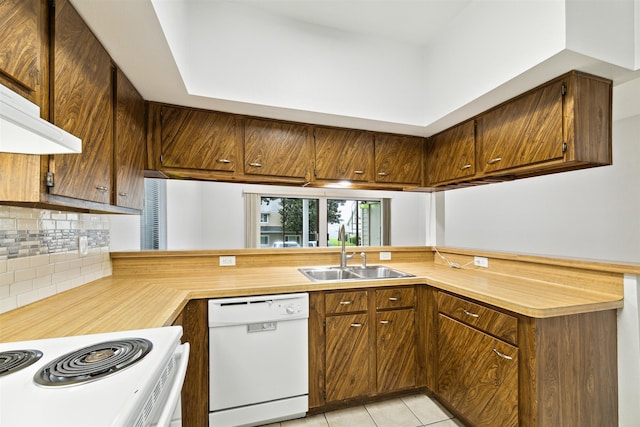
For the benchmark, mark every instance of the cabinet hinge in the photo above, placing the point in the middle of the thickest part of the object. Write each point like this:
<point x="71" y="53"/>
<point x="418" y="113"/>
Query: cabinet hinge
<point x="48" y="179"/>
<point x="564" y="147"/>
<point x="161" y="159"/>
<point x="563" y="89"/>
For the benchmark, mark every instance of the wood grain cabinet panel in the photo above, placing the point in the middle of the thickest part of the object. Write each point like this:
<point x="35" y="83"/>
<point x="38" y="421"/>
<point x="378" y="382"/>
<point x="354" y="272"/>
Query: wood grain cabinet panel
<point x="398" y="159"/>
<point x="398" y="297"/>
<point x="197" y="139"/>
<point x="527" y="130"/>
<point x="346" y="302"/>
<point x="451" y="154"/>
<point x="130" y="134"/>
<point x="491" y="321"/>
<point x="395" y="350"/>
<point x="347" y="356"/>
<point x="82" y="104"/>
<point x="477" y="374"/>
<point x="277" y="149"/>
<point x="21" y="49"/>
<point x="343" y="154"/>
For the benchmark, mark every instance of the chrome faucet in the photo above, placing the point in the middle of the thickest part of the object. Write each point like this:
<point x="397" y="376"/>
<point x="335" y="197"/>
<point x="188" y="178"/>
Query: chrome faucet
<point x="343" y="254"/>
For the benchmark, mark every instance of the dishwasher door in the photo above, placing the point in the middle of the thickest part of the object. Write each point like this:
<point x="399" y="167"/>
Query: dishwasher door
<point x="258" y="358"/>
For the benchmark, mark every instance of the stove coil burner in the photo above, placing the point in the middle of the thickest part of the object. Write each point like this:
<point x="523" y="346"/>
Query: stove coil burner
<point x="93" y="362"/>
<point x="14" y="360"/>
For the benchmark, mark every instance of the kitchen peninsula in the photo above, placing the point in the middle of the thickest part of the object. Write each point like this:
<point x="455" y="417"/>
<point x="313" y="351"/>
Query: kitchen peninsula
<point x="558" y="309"/>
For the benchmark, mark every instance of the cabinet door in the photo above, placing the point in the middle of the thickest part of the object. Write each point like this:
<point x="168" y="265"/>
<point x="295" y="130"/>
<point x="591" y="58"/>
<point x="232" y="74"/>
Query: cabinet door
<point x="83" y="106"/>
<point x="451" y="154"/>
<point x="343" y="154"/>
<point x="129" y="144"/>
<point x="524" y="131"/>
<point x="396" y="350"/>
<point x="477" y="374"/>
<point x="277" y="149"/>
<point x="20" y="49"/>
<point x="194" y="139"/>
<point x="347" y="357"/>
<point x="399" y="159"/>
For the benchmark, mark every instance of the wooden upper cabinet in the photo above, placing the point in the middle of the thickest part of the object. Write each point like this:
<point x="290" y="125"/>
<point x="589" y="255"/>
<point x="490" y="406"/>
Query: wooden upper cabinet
<point x="343" y="154"/>
<point x="527" y="130"/>
<point x="82" y="104"/>
<point x="451" y="154"/>
<point x="277" y="149"/>
<point x="197" y="139"/>
<point x="129" y="145"/>
<point x="398" y="159"/>
<point x="21" y="49"/>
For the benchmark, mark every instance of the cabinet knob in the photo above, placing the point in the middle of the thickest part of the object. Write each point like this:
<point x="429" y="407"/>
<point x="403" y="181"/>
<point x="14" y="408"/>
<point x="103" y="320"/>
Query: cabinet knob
<point x="393" y="298"/>
<point x="494" y="160"/>
<point x="359" y="172"/>
<point x="465" y="167"/>
<point x="356" y="325"/>
<point x="102" y="188"/>
<point x="468" y="313"/>
<point x="255" y="165"/>
<point x="504" y="356"/>
<point x="382" y="174"/>
<point x="224" y="161"/>
<point x="385" y="322"/>
<point x="123" y="194"/>
<point x="346" y="302"/>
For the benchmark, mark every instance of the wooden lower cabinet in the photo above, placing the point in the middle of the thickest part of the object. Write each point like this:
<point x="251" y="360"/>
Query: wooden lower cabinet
<point x="477" y="374"/>
<point x="347" y="357"/>
<point x="395" y="350"/>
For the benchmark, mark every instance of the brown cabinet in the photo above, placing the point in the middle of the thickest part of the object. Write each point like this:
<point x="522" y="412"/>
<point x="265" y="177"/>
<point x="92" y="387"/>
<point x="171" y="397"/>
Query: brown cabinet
<point x="129" y="144"/>
<point x="198" y="139"/>
<point x="563" y="124"/>
<point x="343" y="154"/>
<point x="451" y="154"/>
<point x="396" y="360"/>
<point x="477" y="374"/>
<point x="22" y="53"/>
<point x="398" y="159"/>
<point x="82" y="104"/>
<point x="277" y="149"/>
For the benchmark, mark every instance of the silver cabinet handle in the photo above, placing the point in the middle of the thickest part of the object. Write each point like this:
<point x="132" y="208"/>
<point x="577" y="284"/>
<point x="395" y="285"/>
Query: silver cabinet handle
<point x="123" y="194"/>
<point x="358" y="172"/>
<point x="356" y="325"/>
<point x="102" y="188"/>
<point x="382" y="174"/>
<point x="224" y="161"/>
<point x="393" y="299"/>
<point x="465" y="167"/>
<point x="504" y="356"/>
<point x="494" y="160"/>
<point x="468" y="313"/>
<point x="385" y="322"/>
<point x="255" y="165"/>
<point x="345" y="302"/>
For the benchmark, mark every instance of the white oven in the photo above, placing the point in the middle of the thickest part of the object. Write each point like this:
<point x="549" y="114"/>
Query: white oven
<point x="129" y="378"/>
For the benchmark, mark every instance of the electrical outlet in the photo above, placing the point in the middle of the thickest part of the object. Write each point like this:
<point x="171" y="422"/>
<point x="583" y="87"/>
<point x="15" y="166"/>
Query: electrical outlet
<point x="83" y="246"/>
<point x="227" y="261"/>
<point x="481" y="261"/>
<point x="385" y="256"/>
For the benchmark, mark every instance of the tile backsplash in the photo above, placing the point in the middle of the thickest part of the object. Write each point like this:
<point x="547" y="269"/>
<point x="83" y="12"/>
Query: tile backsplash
<point x="39" y="254"/>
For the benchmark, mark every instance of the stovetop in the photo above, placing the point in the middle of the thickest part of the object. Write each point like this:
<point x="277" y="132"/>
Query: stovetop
<point x="97" y="380"/>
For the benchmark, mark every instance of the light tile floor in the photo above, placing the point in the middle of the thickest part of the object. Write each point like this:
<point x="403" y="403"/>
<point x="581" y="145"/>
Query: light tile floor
<point x="411" y="411"/>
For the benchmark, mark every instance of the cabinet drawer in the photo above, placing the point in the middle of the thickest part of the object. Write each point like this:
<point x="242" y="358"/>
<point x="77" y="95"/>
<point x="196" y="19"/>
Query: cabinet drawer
<point x="345" y="302"/>
<point x="486" y="319"/>
<point x="396" y="297"/>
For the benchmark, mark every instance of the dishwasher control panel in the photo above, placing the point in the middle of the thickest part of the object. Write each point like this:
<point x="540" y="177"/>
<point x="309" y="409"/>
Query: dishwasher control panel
<point x="255" y="309"/>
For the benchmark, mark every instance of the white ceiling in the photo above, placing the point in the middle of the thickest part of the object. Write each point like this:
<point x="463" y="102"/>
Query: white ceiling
<point x="401" y="66"/>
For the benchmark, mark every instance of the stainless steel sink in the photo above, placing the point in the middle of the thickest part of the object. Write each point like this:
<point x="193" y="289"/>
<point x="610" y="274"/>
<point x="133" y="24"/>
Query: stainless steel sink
<point x="320" y="274"/>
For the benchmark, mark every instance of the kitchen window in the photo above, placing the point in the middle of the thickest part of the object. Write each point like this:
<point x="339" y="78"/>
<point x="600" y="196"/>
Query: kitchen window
<point x="294" y="221"/>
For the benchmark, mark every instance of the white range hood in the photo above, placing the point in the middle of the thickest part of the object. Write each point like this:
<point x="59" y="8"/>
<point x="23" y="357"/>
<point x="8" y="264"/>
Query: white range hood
<point x="22" y="130"/>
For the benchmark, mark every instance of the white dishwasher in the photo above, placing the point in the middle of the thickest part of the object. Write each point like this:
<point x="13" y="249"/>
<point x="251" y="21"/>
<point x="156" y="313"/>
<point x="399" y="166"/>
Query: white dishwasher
<point x="258" y="359"/>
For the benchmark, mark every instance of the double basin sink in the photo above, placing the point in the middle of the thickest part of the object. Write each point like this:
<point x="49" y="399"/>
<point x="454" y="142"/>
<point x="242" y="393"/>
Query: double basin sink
<point x="321" y="274"/>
